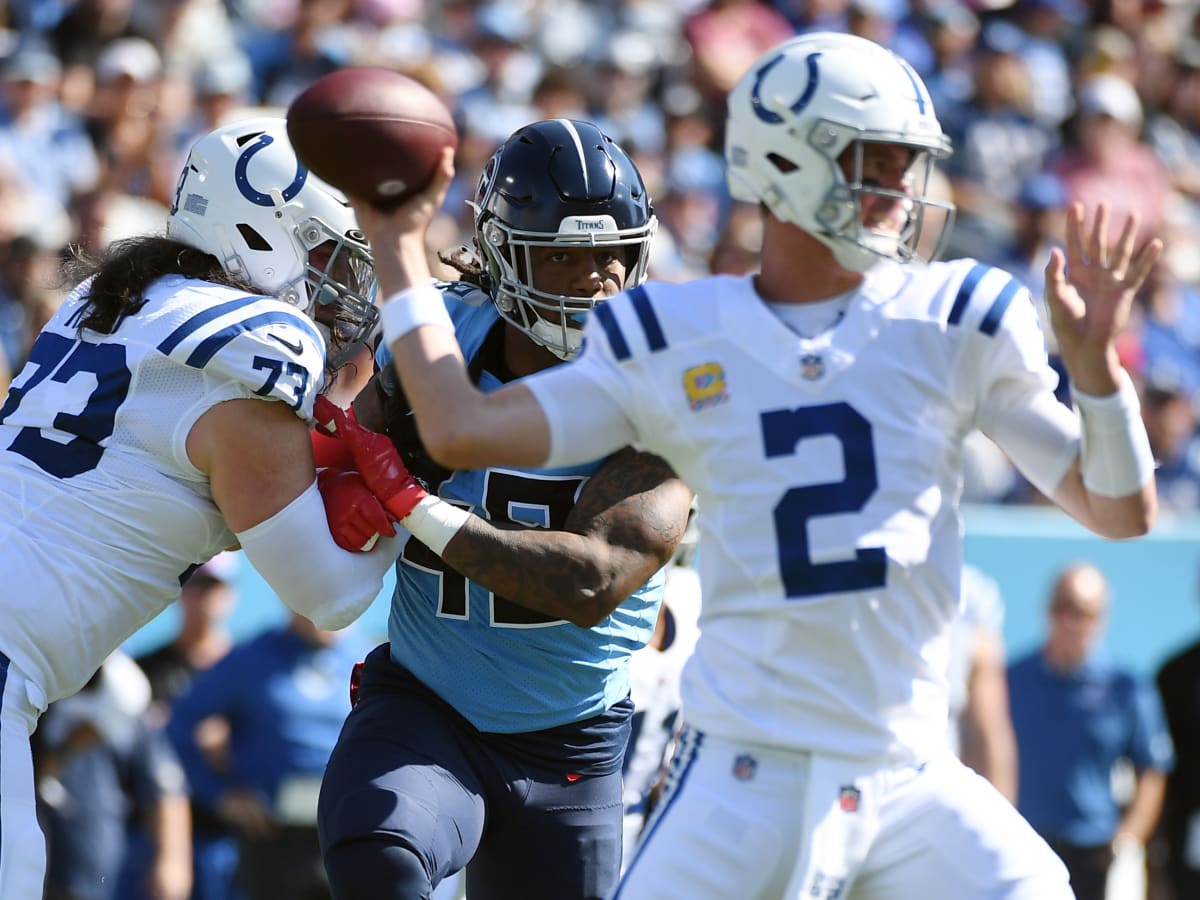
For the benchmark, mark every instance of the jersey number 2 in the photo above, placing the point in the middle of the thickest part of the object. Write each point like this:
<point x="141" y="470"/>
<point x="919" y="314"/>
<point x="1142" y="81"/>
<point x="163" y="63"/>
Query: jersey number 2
<point x="60" y="359"/>
<point x="782" y="431"/>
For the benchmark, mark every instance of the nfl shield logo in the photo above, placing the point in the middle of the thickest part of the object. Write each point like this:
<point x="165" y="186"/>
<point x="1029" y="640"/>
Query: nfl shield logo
<point x="848" y="798"/>
<point x="812" y="366"/>
<point x="744" y="767"/>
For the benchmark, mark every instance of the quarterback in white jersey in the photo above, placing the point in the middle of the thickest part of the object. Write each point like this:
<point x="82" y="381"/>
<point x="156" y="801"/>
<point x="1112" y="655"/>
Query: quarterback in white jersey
<point x="162" y="417"/>
<point x="818" y="410"/>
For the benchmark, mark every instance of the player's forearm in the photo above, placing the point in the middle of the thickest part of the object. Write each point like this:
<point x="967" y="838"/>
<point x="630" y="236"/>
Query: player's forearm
<point x="993" y="755"/>
<point x="1141" y="816"/>
<point x="627" y="523"/>
<point x="556" y="573"/>
<point x="171" y="834"/>
<point x="1115" y="518"/>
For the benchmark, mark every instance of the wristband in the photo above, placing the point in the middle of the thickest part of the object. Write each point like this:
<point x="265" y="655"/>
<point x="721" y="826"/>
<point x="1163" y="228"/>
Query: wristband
<point x="434" y="522"/>
<point x="1115" y="456"/>
<point x="411" y="308"/>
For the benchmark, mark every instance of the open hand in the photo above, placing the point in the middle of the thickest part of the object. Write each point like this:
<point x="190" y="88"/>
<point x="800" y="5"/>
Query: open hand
<point x="1090" y="291"/>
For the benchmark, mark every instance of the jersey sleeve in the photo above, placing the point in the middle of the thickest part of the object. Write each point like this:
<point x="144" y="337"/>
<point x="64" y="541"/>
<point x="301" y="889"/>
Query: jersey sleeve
<point x="1016" y="404"/>
<point x="270" y="350"/>
<point x="588" y="403"/>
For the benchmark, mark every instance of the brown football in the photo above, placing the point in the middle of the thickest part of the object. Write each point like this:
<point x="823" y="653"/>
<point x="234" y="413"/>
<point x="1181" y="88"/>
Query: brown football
<point x="371" y="132"/>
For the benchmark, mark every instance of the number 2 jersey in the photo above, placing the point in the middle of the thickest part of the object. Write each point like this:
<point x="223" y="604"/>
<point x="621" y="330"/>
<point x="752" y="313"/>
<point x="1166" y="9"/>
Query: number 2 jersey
<point x="828" y="471"/>
<point x="102" y="515"/>
<point x="505" y="668"/>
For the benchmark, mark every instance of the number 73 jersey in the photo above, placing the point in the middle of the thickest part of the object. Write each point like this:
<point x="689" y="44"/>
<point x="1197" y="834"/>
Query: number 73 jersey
<point x="101" y="510"/>
<point x="828" y="472"/>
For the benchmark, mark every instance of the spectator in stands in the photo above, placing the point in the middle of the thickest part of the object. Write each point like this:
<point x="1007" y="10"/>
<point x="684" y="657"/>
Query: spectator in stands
<point x="1106" y="160"/>
<point x="1174" y="132"/>
<point x="28" y="276"/>
<point x="1169" y="326"/>
<point x="103" y="770"/>
<point x="1169" y="411"/>
<point x="220" y="90"/>
<point x="206" y="601"/>
<point x="43" y="144"/>
<point x="1077" y="716"/>
<point x="981" y="729"/>
<point x="1052" y="37"/>
<point x="283" y="696"/>
<point x="726" y="38"/>
<point x="82" y="34"/>
<point x="293" y="54"/>
<point x="1000" y="144"/>
<point x="1039" y="224"/>
<point x="124" y="117"/>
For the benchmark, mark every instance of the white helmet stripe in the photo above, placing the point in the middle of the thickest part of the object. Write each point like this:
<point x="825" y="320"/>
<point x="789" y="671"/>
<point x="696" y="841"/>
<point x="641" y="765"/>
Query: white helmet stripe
<point x="578" y="142"/>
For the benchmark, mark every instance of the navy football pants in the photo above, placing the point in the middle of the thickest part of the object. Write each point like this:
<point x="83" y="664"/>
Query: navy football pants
<point x="413" y="793"/>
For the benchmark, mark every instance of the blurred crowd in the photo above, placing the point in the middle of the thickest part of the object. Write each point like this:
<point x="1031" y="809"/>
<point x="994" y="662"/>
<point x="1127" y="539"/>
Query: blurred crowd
<point x="1047" y="101"/>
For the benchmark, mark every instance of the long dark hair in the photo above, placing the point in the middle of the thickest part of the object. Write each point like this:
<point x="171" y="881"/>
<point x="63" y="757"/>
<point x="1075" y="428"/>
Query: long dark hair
<point x="126" y="268"/>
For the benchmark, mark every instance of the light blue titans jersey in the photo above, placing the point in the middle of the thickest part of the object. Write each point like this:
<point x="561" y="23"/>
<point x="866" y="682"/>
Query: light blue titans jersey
<point x="505" y="668"/>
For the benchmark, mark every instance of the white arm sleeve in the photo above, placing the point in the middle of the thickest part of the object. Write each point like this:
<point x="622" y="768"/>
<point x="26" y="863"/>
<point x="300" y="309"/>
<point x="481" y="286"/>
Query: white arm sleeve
<point x="1039" y="434"/>
<point x="296" y="555"/>
<point x="1016" y="407"/>
<point x="585" y="421"/>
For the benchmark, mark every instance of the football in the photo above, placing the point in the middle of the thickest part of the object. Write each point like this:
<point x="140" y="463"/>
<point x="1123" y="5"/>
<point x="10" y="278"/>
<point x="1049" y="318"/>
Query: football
<point x="372" y="133"/>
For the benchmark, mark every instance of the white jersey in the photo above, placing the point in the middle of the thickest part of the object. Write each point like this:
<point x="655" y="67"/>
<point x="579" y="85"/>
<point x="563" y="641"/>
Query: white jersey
<point x="102" y="515"/>
<point x="829" y="470"/>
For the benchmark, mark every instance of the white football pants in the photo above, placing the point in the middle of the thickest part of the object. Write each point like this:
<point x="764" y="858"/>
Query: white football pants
<point x="740" y="822"/>
<point x="22" y="847"/>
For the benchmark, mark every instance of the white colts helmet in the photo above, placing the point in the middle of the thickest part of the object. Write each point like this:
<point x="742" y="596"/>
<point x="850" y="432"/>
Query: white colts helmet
<point x="245" y="198"/>
<point x="793" y="115"/>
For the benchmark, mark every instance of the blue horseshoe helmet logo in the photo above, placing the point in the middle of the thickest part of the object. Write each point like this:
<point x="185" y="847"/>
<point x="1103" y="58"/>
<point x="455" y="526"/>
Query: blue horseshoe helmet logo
<point x="248" y="190"/>
<point x="769" y="116"/>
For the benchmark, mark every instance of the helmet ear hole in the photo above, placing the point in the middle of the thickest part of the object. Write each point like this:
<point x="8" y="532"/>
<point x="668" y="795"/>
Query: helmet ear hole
<point x="253" y="239"/>
<point x="784" y="165"/>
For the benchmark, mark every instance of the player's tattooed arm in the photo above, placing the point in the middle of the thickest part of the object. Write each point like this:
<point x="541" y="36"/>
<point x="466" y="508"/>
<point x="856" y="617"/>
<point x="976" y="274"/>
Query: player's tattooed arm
<point x="627" y="523"/>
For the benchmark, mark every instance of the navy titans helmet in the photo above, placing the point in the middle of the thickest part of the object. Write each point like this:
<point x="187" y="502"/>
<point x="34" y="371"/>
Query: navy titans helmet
<point x="557" y="182"/>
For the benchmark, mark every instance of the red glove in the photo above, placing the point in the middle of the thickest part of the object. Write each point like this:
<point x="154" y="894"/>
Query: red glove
<point x="375" y="458"/>
<point x="356" y="519"/>
<point x="328" y="451"/>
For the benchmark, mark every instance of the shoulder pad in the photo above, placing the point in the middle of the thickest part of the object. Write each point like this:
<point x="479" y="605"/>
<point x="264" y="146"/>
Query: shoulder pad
<point x="263" y="343"/>
<point x="982" y="296"/>
<point x="626" y="323"/>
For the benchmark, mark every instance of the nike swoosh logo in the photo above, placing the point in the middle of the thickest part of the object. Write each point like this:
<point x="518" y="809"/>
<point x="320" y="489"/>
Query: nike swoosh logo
<point x="296" y="348"/>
